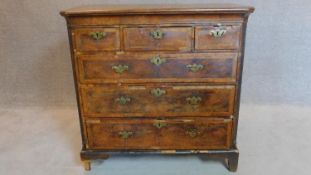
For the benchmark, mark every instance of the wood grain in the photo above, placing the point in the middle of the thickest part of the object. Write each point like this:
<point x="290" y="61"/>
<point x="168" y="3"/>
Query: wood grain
<point x="120" y="90"/>
<point x="157" y="9"/>
<point x="211" y="134"/>
<point x="83" y="41"/>
<point x="230" y="40"/>
<point x="100" y="101"/>
<point x="174" y="38"/>
<point x="164" y="20"/>
<point x="217" y="67"/>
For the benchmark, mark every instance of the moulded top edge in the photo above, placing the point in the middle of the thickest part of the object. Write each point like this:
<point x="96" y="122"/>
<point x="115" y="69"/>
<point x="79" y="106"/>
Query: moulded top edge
<point x="157" y="9"/>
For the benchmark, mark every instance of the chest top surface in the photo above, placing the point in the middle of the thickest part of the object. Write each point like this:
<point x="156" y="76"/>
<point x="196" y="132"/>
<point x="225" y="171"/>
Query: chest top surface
<point x="157" y="9"/>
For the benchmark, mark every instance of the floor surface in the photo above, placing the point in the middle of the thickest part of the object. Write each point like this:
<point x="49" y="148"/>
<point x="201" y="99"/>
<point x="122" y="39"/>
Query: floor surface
<point x="272" y="140"/>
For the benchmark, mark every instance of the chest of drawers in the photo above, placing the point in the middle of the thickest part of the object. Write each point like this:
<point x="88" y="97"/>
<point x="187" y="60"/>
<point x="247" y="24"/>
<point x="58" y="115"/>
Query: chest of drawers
<point x="158" y="79"/>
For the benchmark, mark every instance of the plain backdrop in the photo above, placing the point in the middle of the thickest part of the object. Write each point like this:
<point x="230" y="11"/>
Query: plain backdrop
<point x="39" y="128"/>
<point x="35" y="67"/>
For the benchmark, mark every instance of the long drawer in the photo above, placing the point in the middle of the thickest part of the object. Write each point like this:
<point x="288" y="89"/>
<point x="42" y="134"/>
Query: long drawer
<point x="143" y="67"/>
<point x="157" y="100"/>
<point x="186" y="133"/>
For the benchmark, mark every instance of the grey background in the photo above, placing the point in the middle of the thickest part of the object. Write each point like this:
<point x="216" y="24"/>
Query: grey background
<point x="35" y="62"/>
<point x="38" y="110"/>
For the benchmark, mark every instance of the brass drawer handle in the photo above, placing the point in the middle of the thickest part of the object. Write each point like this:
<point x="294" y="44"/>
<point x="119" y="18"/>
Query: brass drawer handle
<point x="157" y="60"/>
<point x="159" y="124"/>
<point x="193" y="132"/>
<point x="125" y="134"/>
<point x="194" y="100"/>
<point x="195" y="67"/>
<point x="98" y="35"/>
<point x="218" y="31"/>
<point x="157" y="34"/>
<point x="120" y="68"/>
<point x="123" y="100"/>
<point x="157" y="92"/>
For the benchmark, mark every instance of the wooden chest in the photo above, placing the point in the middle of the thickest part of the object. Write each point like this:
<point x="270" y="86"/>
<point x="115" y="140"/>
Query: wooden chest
<point x="158" y="79"/>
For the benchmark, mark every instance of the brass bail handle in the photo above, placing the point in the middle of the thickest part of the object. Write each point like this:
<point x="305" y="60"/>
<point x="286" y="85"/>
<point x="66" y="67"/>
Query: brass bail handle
<point x="193" y="132"/>
<point x="125" y="134"/>
<point x="194" y="100"/>
<point x="98" y="35"/>
<point x="195" y="67"/>
<point x="120" y="68"/>
<point x="123" y="100"/>
<point x="218" y="31"/>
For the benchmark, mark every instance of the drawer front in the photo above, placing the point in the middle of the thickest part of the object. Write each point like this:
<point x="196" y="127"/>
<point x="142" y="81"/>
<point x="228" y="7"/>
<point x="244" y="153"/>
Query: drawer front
<point x="158" y="39"/>
<point x="129" y="68"/>
<point x="217" y="37"/>
<point x="188" y="133"/>
<point x="157" y="100"/>
<point x="96" y="39"/>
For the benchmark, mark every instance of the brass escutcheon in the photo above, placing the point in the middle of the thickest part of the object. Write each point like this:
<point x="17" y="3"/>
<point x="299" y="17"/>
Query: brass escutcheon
<point x="157" y="92"/>
<point x="157" y="34"/>
<point x="157" y="60"/>
<point x="160" y="124"/>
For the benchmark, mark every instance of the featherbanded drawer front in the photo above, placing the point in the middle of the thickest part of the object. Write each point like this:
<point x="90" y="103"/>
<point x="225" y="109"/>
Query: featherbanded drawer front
<point x="157" y="100"/>
<point x="96" y="39"/>
<point x="160" y="79"/>
<point x="218" y="37"/>
<point x="138" y="67"/>
<point x="186" y="133"/>
<point x="158" y="38"/>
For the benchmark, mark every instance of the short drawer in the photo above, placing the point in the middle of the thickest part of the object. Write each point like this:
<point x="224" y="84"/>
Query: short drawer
<point x="157" y="100"/>
<point x="158" y="39"/>
<point x="133" y="68"/>
<point x="186" y="133"/>
<point x="217" y="37"/>
<point x="96" y="39"/>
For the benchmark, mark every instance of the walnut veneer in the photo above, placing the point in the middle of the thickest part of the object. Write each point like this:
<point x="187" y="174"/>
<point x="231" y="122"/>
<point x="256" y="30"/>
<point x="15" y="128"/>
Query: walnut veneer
<point x="158" y="79"/>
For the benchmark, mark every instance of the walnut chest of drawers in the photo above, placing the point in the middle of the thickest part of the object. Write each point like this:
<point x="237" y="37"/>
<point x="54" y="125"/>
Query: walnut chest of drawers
<point x="158" y="79"/>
